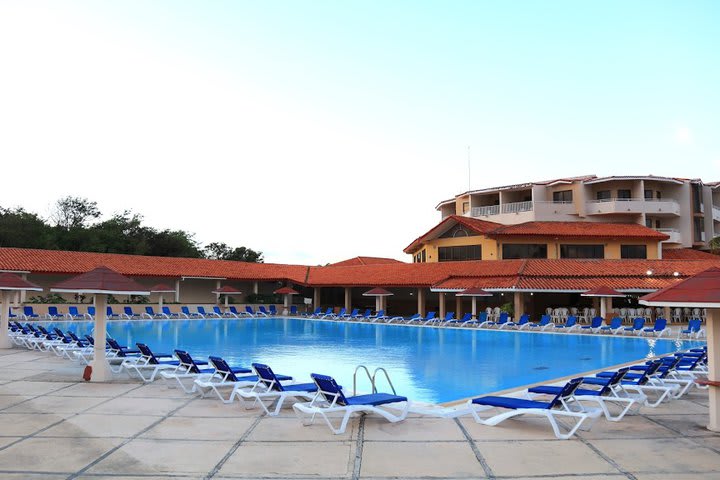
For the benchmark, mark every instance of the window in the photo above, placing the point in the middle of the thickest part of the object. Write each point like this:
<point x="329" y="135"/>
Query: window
<point x="649" y="222"/>
<point x="457" y="254"/>
<point x="697" y="198"/>
<point x="422" y="257"/>
<point x="582" y="251"/>
<point x="603" y="195"/>
<point x="633" y="251"/>
<point x="698" y="229"/>
<point x="648" y="194"/>
<point x="465" y="207"/>
<point x="624" y="194"/>
<point x="658" y="194"/>
<point x="563" y="196"/>
<point x="457" y="231"/>
<point x="524" y="250"/>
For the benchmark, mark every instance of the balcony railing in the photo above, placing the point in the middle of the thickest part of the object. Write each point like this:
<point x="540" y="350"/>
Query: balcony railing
<point x="633" y="205"/>
<point x="673" y="233"/>
<point x="514" y="207"/>
<point x="484" y="211"/>
<point x="716" y="213"/>
<point x="517" y="207"/>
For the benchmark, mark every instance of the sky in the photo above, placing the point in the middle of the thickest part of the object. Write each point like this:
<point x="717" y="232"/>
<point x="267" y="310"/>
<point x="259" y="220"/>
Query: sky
<point x="316" y="131"/>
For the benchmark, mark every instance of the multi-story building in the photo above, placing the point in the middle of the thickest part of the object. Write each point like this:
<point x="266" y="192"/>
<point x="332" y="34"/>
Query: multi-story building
<point x="686" y="210"/>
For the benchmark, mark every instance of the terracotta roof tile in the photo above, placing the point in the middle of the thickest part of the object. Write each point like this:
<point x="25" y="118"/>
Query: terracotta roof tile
<point x="687" y="254"/>
<point x="579" y="230"/>
<point x="701" y="290"/>
<point x="364" y="261"/>
<point x="480" y="227"/>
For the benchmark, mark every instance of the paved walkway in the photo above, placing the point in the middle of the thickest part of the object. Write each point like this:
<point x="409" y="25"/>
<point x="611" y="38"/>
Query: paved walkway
<point x="54" y="426"/>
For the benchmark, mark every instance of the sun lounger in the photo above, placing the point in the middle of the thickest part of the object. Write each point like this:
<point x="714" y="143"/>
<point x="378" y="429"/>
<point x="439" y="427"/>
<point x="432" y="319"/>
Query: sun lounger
<point x="602" y="396"/>
<point x="347" y="316"/>
<point x="461" y="321"/>
<point x="272" y="310"/>
<point x="501" y="321"/>
<point x="615" y="326"/>
<point x="111" y="315"/>
<point x="694" y="329"/>
<point x="659" y="329"/>
<point x="148" y="364"/>
<point x="187" y="369"/>
<point x="433" y="319"/>
<point x="331" y="399"/>
<point x="169" y="313"/>
<point x="74" y="314"/>
<point x="263" y="311"/>
<point x="269" y="387"/>
<point x="293" y="310"/>
<point x="188" y="314"/>
<point x="595" y="324"/>
<point x="129" y="313"/>
<point x="643" y="385"/>
<point x="524" y="320"/>
<point x="476" y="322"/>
<point x="217" y="312"/>
<point x="249" y="311"/>
<point x="316" y="312"/>
<point x="234" y="311"/>
<point x="29" y="314"/>
<point x="569" y="326"/>
<point x="554" y="410"/>
<point x="91" y="312"/>
<point x="55" y="314"/>
<point x="420" y="319"/>
<point x="636" y="327"/>
<point x="225" y="378"/>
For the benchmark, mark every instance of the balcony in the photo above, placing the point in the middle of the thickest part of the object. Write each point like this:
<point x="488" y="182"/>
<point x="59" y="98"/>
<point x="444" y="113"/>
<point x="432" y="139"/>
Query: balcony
<point x="674" y="234"/>
<point x="633" y="206"/>
<point x="716" y="213"/>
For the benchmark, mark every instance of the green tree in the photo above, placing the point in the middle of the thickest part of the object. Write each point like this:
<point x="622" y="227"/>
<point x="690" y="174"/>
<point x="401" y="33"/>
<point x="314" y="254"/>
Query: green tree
<point x="221" y="251"/>
<point x="74" y="212"/>
<point x="715" y="245"/>
<point x="19" y="228"/>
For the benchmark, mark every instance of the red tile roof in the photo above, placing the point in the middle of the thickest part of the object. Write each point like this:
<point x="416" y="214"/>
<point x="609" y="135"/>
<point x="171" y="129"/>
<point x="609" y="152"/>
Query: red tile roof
<point x="481" y="227"/>
<point x="64" y="262"/>
<point x="364" y="261"/>
<point x="101" y="280"/>
<point x="579" y="230"/>
<point x="687" y="254"/>
<point x="11" y="281"/>
<point x="701" y="290"/>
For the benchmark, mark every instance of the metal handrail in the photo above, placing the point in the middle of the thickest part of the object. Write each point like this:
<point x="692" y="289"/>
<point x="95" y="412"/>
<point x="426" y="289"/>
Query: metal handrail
<point x="370" y="377"/>
<point x="387" y="377"/>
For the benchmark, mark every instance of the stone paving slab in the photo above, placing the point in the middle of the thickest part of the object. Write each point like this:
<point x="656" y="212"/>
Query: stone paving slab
<point x="125" y="429"/>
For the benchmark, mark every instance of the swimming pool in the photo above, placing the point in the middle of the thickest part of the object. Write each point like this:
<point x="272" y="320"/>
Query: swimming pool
<point x="425" y="364"/>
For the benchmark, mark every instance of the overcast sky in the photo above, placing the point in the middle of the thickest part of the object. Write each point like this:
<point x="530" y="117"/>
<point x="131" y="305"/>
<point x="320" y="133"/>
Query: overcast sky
<point x="318" y="131"/>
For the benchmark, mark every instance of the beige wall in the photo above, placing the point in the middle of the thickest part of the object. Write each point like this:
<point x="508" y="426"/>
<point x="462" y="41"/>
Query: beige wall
<point x="488" y="246"/>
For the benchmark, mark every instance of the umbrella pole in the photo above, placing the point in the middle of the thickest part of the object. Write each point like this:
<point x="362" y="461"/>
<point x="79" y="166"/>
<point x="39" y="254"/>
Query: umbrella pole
<point x="160" y="302"/>
<point x="474" y="307"/>
<point x="101" y="372"/>
<point x="4" y="320"/>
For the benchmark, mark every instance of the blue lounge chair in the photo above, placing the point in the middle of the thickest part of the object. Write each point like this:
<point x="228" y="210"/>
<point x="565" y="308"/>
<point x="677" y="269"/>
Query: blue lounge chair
<point x="249" y="311"/>
<point x="111" y="315"/>
<point x="544" y="324"/>
<point x="29" y="314"/>
<point x="694" y="329"/>
<point x="75" y="314"/>
<point x="614" y="327"/>
<point x="401" y="319"/>
<point x="188" y="369"/>
<point x="269" y="387"/>
<point x="659" y="329"/>
<point x="346" y="316"/>
<point x="477" y="322"/>
<point x="594" y="326"/>
<point x="272" y="310"/>
<point x="380" y="316"/>
<point x="293" y="310"/>
<point x="201" y="312"/>
<point x="187" y="313"/>
<point x="524" y="320"/>
<point x="148" y="364"/>
<point x="433" y="319"/>
<point x="501" y="321"/>
<point x="91" y="312"/>
<point x="331" y="399"/>
<point x="603" y="396"/>
<point x="454" y="321"/>
<point x="129" y="313"/>
<point x="55" y="314"/>
<point x="226" y="378"/>
<point x="234" y="311"/>
<point x="637" y="326"/>
<point x="328" y="313"/>
<point x="417" y="318"/>
<point x="316" y="312"/>
<point x="569" y="326"/>
<point x="642" y="384"/>
<point x="169" y="313"/>
<point x="557" y="408"/>
<point x="263" y="311"/>
<point x="217" y="312"/>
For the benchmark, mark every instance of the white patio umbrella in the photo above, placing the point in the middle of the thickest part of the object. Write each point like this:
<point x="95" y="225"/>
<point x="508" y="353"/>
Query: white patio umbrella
<point x="101" y="282"/>
<point x="474" y="293"/>
<point x="380" y="295"/>
<point x="286" y="292"/>
<point x="699" y="291"/>
<point x="10" y="283"/>
<point x="604" y="293"/>
<point x="227" y="290"/>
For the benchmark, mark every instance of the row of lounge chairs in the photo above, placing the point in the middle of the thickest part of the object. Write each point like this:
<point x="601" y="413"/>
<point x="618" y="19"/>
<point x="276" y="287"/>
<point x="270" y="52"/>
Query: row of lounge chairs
<point x="503" y="321"/>
<point x="614" y="393"/>
<point x="165" y="312"/>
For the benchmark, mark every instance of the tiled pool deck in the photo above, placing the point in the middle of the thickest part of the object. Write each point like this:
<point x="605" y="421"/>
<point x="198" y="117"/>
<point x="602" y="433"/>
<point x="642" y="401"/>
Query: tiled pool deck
<point x="53" y="425"/>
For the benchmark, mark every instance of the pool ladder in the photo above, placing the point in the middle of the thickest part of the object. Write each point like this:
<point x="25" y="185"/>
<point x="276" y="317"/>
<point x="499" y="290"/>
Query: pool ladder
<point x="372" y="378"/>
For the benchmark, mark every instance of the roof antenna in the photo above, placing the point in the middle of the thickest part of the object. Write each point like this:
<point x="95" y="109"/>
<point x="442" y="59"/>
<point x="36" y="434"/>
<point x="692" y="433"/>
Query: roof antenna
<point x="468" y="160"/>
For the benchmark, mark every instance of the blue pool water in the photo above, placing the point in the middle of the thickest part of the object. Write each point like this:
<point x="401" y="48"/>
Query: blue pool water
<point x="425" y="364"/>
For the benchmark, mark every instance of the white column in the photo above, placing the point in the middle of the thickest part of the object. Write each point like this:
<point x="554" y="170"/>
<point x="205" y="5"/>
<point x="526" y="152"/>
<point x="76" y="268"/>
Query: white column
<point x="474" y="306"/>
<point x="4" y="319"/>
<point x="518" y="304"/>
<point x="218" y="284"/>
<point x="256" y="288"/>
<point x="177" y="291"/>
<point x="441" y="301"/>
<point x="421" y="301"/>
<point x="160" y="301"/>
<point x="713" y="337"/>
<point x="458" y="307"/>
<point x="316" y="297"/>
<point x="100" y="369"/>
<point x="348" y="299"/>
<point x="23" y="293"/>
<point x="378" y="303"/>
